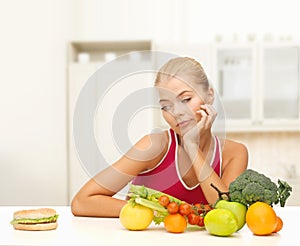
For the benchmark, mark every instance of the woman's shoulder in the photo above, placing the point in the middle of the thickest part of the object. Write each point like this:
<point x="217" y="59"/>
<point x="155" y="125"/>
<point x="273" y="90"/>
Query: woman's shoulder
<point x="150" y="148"/>
<point x="229" y="143"/>
<point x="154" y="140"/>
<point x="232" y="149"/>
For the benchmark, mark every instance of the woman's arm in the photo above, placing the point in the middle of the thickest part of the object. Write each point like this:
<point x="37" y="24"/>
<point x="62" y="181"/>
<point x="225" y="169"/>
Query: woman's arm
<point x="234" y="156"/>
<point x="95" y="197"/>
<point x="234" y="162"/>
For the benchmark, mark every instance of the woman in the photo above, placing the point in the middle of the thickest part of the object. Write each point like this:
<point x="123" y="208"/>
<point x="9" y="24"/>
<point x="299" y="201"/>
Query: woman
<point x="182" y="161"/>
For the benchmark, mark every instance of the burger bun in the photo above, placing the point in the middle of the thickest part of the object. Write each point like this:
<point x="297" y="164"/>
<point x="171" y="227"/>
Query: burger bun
<point x="35" y="214"/>
<point x="36" y="227"/>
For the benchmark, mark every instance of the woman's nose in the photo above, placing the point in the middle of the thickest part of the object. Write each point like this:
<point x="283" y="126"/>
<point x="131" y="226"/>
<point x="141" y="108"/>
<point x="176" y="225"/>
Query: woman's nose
<point x="178" y="109"/>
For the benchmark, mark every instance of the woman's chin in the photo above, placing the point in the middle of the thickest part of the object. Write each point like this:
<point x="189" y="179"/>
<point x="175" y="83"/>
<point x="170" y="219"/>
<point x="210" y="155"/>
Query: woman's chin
<point x="185" y="129"/>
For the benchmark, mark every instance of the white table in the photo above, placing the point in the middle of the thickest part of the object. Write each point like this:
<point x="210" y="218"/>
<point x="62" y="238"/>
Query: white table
<point x="106" y="231"/>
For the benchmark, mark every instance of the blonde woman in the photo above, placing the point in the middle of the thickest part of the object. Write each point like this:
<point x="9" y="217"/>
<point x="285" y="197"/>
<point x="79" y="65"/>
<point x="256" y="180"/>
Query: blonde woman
<point x="182" y="161"/>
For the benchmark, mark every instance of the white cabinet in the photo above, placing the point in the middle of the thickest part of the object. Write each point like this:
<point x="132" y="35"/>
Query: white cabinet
<point x="234" y="80"/>
<point x="280" y="77"/>
<point x="85" y="58"/>
<point x="259" y="86"/>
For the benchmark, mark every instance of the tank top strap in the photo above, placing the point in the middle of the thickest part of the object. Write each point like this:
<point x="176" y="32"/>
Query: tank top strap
<point x="217" y="157"/>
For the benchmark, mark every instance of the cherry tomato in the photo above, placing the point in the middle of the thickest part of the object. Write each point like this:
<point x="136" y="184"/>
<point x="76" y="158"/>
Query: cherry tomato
<point x="202" y="208"/>
<point x="164" y="200"/>
<point x="193" y="211"/>
<point x="173" y="207"/>
<point x="198" y="208"/>
<point x="193" y="219"/>
<point x="185" y="208"/>
<point x="207" y="207"/>
<point x="201" y="221"/>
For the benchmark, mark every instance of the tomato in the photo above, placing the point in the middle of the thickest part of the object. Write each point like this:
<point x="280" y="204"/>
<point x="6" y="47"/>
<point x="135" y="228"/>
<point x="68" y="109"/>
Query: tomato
<point x="193" y="219"/>
<point x="202" y="208"/>
<point x="185" y="209"/>
<point x="198" y="207"/>
<point x="173" y="207"/>
<point x="207" y="207"/>
<point x="164" y="200"/>
<point x="201" y="221"/>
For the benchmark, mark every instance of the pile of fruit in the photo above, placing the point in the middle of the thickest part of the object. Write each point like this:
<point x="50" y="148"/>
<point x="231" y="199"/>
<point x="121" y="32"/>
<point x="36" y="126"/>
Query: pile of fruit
<point x="147" y="205"/>
<point x="224" y="218"/>
<point x="181" y="214"/>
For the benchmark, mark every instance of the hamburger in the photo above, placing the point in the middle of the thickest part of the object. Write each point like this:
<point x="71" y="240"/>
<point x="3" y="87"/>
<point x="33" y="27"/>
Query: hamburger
<point x="42" y="219"/>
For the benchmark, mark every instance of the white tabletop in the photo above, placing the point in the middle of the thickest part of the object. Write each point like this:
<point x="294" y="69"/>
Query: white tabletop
<point x="106" y="231"/>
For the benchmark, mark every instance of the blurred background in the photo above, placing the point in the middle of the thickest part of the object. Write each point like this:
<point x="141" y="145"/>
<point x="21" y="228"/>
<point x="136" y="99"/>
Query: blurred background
<point x="49" y="48"/>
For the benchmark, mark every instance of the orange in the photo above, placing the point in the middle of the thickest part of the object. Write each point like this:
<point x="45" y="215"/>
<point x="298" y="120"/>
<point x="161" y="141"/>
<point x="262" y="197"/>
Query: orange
<point x="261" y="218"/>
<point x="175" y="223"/>
<point x="279" y="224"/>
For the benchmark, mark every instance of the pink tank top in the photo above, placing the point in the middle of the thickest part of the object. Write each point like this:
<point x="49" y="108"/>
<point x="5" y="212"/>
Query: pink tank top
<point x="165" y="177"/>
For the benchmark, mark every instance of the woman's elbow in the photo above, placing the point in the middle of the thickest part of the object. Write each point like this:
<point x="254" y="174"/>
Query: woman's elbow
<point x="76" y="206"/>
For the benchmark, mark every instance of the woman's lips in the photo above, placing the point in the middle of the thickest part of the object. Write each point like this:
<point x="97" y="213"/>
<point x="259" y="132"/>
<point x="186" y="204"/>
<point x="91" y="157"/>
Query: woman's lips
<point x="183" y="123"/>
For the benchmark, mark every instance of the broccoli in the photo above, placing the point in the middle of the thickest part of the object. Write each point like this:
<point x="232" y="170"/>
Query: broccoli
<point x="252" y="186"/>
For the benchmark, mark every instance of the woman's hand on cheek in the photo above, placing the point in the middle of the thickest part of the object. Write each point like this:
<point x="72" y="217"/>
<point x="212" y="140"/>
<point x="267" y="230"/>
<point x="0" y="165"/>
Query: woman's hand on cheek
<point x="207" y="117"/>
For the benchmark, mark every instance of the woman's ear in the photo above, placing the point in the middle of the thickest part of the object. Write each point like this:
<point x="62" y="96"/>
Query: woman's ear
<point x="210" y="96"/>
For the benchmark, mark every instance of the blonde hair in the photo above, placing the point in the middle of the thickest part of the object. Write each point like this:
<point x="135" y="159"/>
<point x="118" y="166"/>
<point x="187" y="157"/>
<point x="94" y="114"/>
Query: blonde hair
<point x="183" y="68"/>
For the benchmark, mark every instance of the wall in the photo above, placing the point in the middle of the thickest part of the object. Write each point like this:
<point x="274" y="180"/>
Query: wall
<point x="33" y="158"/>
<point x="180" y="21"/>
<point x="275" y="153"/>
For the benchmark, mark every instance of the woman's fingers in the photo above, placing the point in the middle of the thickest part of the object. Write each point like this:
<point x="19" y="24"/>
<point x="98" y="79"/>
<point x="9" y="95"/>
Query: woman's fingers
<point x="208" y="115"/>
<point x="211" y="112"/>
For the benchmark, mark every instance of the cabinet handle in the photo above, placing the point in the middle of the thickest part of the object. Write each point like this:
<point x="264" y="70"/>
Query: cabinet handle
<point x="221" y="84"/>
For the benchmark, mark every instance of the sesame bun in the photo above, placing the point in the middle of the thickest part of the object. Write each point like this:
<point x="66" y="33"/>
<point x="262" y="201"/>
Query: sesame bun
<point x="35" y="214"/>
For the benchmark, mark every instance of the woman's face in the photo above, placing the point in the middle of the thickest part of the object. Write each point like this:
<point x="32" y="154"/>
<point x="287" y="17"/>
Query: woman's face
<point x="179" y="103"/>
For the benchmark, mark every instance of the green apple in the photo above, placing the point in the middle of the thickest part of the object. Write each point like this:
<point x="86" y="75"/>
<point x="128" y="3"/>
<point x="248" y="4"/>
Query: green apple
<point x="237" y="208"/>
<point x="220" y="222"/>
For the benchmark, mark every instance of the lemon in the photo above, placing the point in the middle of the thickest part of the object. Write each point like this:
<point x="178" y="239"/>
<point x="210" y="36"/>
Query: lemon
<point x="136" y="218"/>
<point x="220" y="222"/>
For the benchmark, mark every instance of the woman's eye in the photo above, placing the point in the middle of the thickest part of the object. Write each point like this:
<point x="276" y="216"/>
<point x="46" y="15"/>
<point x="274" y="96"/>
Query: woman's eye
<point x="185" y="100"/>
<point x="166" y="108"/>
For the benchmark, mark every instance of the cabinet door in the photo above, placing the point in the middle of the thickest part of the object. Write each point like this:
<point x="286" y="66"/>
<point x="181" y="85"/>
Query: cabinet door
<point x="234" y="80"/>
<point x="280" y="74"/>
<point x="78" y="76"/>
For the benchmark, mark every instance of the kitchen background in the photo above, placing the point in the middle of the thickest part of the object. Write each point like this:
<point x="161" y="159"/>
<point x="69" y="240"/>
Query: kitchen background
<point x="49" y="48"/>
